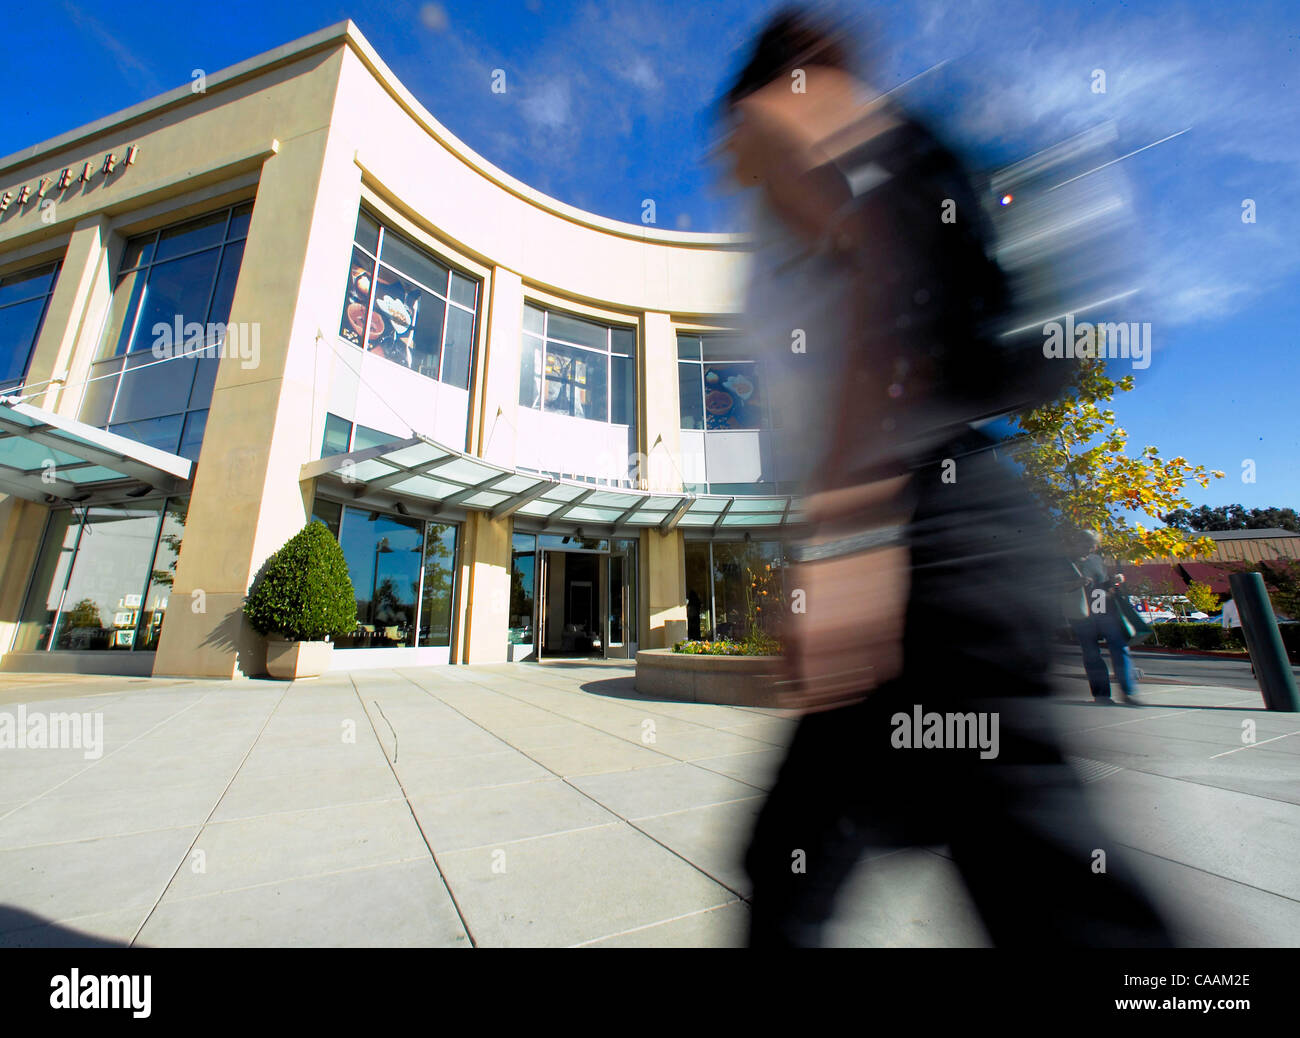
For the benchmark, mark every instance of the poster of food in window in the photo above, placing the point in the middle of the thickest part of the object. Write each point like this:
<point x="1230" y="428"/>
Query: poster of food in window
<point x="731" y="397"/>
<point x="393" y="314"/>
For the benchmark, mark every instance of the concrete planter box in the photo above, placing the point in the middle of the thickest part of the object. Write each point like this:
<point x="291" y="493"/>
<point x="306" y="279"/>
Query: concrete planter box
<point x="293" y="661"/>
<point x="727" y="680"/>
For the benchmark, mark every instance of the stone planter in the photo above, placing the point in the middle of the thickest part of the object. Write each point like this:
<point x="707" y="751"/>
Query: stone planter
<point x="293" y="661"/>
<point x="727" y="680"/>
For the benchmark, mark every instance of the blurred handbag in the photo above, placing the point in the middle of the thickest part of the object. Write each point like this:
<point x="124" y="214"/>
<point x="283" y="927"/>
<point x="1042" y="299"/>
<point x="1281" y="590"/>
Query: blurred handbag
<point x="1136" y="630"/>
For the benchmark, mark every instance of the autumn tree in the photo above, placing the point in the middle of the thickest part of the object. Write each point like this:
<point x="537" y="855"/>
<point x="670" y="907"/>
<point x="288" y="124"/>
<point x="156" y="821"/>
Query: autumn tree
<point x="1202" y="598"/>
<point x="1076" y="462"/>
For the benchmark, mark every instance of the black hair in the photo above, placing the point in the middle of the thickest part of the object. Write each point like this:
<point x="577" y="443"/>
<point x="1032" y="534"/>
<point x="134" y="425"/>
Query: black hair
<point x="793" y="38"/>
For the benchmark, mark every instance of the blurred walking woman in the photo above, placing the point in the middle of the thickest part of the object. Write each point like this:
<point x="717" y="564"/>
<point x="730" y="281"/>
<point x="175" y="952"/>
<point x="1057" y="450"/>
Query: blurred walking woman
<point x="925" y="569"/>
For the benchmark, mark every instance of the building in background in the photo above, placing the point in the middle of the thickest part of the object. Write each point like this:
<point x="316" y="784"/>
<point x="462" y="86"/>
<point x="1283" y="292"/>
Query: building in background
<point x="295" y="295"/>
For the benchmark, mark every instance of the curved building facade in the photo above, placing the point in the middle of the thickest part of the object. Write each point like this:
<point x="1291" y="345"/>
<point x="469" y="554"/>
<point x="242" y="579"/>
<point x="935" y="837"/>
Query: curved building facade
<point x="295" y="295"/>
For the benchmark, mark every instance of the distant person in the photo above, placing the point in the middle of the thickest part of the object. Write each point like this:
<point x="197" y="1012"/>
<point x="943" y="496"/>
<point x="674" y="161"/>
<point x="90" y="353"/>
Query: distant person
<point x="1102" y="622"/>
<point x="925" y="575"/>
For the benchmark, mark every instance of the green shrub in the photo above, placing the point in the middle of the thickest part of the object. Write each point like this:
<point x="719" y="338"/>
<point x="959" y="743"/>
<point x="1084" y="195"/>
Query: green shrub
<point x="303" y="591"/>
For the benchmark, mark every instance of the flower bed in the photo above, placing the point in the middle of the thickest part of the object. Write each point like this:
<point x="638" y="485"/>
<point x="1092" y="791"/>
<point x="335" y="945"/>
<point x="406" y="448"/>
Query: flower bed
<point x="760" y="646"/>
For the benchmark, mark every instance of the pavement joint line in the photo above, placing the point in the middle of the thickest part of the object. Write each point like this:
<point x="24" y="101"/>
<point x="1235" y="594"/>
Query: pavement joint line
<point x="420" y="859"/>
<point x="611" y="824"/>
<point x="1203" y="785"/>
<point x="661" y="922"/>
<point x="698" y="807"/>
<point x="105" y="836"/>
<point x="586" y="724"/>
<point x="605" y="807"/>
<point x="211" y="811"/>
<point x="170" y="717"/>
<point x="631" y="742"/>
<point x="1147" y="716"/>
<point x="464" y="923"/>
<point x="307" y="810"/>
<point x="1251" y="746"/>
<point x="1206" y="872"/>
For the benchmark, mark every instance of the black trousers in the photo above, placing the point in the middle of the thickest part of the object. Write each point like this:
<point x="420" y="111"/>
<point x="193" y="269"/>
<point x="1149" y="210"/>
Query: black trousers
<point x="977" y="642"/>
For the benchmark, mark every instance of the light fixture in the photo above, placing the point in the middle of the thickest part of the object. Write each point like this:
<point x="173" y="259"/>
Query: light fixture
<point x="400" y="508"/>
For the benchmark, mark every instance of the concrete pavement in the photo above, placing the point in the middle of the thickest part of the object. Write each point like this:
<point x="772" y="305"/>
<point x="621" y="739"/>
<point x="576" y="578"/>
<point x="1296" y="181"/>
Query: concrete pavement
<point x="524" y="805"/>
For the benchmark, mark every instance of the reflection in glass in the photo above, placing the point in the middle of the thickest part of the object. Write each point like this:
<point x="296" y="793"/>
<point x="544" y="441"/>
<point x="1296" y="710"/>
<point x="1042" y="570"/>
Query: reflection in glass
<point x="439" y="584"/>
<point x="102" y="601"/>
<point x="383" y="554"/>
<point x="163" y="574"/>
<point x="48" y="580"/>
<point x="523" y="582"/>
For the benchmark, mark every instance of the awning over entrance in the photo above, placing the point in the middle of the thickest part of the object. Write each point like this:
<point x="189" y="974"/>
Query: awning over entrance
<point x="422" y="469"/>
<point x="51" y="459"/>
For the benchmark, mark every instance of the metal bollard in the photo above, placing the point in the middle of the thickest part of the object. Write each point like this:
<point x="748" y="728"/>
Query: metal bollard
<point x="1264" y="641"/>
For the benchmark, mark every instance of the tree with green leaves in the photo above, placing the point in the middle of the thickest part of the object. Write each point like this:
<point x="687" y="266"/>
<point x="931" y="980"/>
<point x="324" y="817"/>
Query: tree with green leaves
<point x="1233" y="517"/>
<point x="1202" y="598"/>
<point x="1075" y="460"/>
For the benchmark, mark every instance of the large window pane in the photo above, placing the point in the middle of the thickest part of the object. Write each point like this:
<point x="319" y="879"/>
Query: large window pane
<point x="101" y="607"/>
<point x="413" y="262"/>
<point x="439" y="584"/>
<point x="100" y="389"/>
<point x="367" y="233"/>
<point x="202" y="233"/>
<point x="522" y="587"/>
<point x="19" y="326"/>
<point x="699" y="592"/>
<point x="383" y="553"/>
<point x="622" y="392"/>
<point x="196" y="422"/>
<point x="337" y="433"/>
<point x="180" y="288"/>
<point x="224" y="294"/>
<point x="163" y="433"/>
<point x="463" y="290"/>
<point x="163" y="574"/>
<point x="360" y="281"/>
<point x="406" y="323"/>
<point x="534" y="320"/>
<point x="530" y="382"/>
<point x="48" y="582"/>
<point x="690" y="392"/>
<point x="239" y="221"/>
<point x="26" y="284"/>
<point x="731" y="398"/>
<point x="151" y="387"/>
<point x="574" y="329"/>
<point x="459" y="347"/>
<point x="576" y="382"/>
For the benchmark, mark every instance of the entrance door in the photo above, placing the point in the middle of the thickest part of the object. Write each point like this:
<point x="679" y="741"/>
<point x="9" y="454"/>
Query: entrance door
<point x="569" y="604"/>
<point x="619" y="640"/>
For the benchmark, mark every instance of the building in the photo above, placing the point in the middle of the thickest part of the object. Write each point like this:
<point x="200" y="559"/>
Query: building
<point x="289" y="293"/>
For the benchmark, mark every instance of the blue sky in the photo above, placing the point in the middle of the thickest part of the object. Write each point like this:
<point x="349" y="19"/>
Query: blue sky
<point x="609" y="103"/>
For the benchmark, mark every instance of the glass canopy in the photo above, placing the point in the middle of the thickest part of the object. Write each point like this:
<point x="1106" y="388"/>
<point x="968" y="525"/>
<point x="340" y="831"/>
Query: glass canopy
<point x="49" y="459"/>
<point x="420" y="468"/>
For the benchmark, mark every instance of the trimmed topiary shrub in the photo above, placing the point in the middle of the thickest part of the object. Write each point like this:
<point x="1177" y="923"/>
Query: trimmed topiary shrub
<point x="303" y="592"/>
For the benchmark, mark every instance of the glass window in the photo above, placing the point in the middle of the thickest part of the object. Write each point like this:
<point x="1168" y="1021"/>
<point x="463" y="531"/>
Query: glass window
<point x="196" y="422"/>
<point x="109" y="573"/>
<point x="328" y="512"/>
<point x="534" y="320"/>
<point x="575" y="330"/>
<point x="48" y="581"/>
<point x="365" y="437"/>
<point x="523" y="575"/>
<point x="575" y="382"/>
<point x="464" y="290"/>
<point x="338" y="433"/>
<point x="186" y="273"/>
<point x="383" y="554"/>
<point x="699" y="592"/>
<point x="163" y="573"/>
<point x="398" y="308"/>
<point x="24" y="298"/>
<point x="198" y="234"/>
<point x="691" y="394"/>
<point x="459" y="347"/>
<point x="412" y="261"/>
<point x="439" y="584"/>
